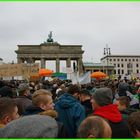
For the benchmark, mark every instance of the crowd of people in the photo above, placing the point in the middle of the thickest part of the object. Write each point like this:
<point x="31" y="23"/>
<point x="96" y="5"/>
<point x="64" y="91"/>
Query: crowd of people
<point x="60" y="109"/>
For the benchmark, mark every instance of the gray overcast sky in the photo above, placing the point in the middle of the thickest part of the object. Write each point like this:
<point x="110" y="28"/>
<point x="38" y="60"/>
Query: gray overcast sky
<point x="90" y="24"/>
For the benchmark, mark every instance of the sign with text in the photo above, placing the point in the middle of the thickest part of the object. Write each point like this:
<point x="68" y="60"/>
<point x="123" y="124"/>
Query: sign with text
<point x="8" y="70"/>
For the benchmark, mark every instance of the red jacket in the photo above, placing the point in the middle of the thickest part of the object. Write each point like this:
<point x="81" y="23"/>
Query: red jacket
<point x="118" y="125"/>
<point x="110" y="112"/>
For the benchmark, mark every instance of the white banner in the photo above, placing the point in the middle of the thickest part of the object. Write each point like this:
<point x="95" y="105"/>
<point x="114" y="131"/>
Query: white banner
<point x="86" y="78"/>
<point x="75" y="77"/>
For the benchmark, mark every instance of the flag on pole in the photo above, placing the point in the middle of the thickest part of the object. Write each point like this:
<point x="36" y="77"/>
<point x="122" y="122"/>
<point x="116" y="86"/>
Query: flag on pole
<point x="86" y="78"/>
<point x="75" y="78"/>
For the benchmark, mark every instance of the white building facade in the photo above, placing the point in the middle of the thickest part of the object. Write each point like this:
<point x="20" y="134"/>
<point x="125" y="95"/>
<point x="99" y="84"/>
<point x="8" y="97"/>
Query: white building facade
<point x="123" y="64"/>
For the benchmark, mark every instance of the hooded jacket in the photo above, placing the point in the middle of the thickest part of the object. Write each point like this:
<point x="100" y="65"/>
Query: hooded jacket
<point x="70" y="112"/>
<point x="34" y="126"/>
<point x="32" y="110"/>
<point x="118" y="125"/>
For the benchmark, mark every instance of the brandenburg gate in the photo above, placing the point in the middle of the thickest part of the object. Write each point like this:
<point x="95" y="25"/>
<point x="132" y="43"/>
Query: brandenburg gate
<point x="50" y="50"/>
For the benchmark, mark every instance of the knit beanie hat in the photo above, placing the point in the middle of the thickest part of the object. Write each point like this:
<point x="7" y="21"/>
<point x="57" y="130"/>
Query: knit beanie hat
<point x="123" y="87"/>
<point x="85" y="92"/>
<point x="103" y="96"/>
<point x="34" y="126"/>
<point x="22" y="87"/>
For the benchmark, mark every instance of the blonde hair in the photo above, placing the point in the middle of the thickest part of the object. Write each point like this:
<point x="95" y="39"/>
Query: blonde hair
<point x="40" y="96"/>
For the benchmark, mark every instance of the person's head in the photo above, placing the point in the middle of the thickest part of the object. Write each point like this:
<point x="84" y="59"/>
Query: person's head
<point x="123" y="103"/>
<point x="6" y="91"/>
<point x="24" y="89"/>
<point x="2" y="84"/>
<point x="102" y="97"/>
<point x="123" y="87"/>
<point x="63" y="87"/>
<point x="33" y="126"/>
<point x="43" y="98"/>
<point x="84" y="95"/>
<point x="134" y="124"/>
<point x="94" y="127"/>
<point x="8" y="110"/>
<point x="74" y="90"/>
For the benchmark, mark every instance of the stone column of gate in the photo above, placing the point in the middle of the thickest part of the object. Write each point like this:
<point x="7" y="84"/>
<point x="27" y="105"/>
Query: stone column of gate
<point x="80" y="65"/>
<point x="57" y="65"/>
<point x="42" y="63"/>
<point x="20" y="60"/>
<point x="68" y="62"/>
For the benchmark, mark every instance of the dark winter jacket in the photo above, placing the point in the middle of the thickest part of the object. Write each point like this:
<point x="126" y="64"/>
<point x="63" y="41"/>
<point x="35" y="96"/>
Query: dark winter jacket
<point x="88" y="106"/>
<point x="70" y="112"/>
<point x="118" y="125"/>
<point x="32" y="110"/>
<point x="22" y="103"/>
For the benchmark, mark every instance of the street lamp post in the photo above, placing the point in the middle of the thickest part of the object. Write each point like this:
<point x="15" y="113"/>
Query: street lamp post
<point x="107" y="53"/>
